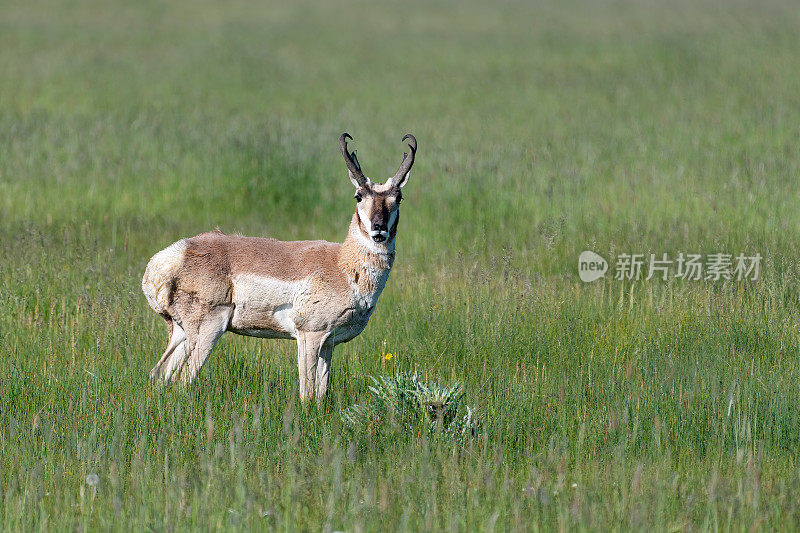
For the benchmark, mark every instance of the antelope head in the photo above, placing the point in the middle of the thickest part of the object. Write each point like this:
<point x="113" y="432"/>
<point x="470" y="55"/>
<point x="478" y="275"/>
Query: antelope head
<point x="377" y="203"/>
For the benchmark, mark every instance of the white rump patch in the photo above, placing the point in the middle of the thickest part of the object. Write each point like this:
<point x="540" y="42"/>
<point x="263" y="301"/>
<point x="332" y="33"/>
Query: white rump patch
<point x="159" y="274"/>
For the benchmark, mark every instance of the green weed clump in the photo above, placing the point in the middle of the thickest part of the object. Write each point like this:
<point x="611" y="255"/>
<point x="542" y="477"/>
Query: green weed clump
<point x="406" y="403"/>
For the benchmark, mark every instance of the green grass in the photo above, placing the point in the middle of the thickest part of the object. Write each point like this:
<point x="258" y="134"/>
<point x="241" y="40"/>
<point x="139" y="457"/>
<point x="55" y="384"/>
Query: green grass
<point x="616" y="126"/>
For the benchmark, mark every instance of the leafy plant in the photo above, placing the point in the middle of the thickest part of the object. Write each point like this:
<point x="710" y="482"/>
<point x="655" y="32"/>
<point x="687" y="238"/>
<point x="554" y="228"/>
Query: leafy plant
<point x="405" y="401"/>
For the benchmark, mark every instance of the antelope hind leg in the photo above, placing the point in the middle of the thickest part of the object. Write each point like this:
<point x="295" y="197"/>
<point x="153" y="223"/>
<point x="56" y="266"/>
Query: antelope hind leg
<point x="176" y="338"/>
<point x="209" y="331"/>
<point x="175" y="361"/>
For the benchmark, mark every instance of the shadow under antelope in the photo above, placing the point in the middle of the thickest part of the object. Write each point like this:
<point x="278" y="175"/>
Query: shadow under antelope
<point x="317" y="292"/>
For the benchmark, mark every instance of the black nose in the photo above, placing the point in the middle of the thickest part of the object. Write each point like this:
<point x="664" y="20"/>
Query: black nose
<point x="379" y="227"/>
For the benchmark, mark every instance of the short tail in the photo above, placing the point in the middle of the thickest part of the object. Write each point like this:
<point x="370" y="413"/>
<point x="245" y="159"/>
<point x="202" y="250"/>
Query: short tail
<point x="159" y="276"/>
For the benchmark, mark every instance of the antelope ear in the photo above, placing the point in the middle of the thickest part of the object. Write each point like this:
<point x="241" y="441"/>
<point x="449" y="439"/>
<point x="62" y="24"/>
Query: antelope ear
<point x="353" y="180"/>
<point x="402" y="181"/>
<point x="353" y="177"/>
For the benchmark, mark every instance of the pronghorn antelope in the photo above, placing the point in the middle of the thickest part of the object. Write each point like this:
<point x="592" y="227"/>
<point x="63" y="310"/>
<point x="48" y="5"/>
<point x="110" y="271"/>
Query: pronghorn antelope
<point x="317" y="292"/>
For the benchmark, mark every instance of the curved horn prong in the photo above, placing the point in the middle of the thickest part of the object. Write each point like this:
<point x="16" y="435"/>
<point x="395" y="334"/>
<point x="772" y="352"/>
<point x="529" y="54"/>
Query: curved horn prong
<point x="408" y="159"/>
<point x="350" y="161"/>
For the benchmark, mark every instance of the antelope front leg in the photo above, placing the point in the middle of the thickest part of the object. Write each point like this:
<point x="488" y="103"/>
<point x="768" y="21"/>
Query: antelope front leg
<point x="323" y="369"/>
<point x="309" y="344"/>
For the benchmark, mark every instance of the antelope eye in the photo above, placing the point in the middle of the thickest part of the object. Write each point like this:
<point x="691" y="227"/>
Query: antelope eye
<point x="357" y="197"/>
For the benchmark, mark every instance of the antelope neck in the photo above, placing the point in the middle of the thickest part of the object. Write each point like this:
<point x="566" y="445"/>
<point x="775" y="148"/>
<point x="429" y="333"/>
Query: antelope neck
<point x="360" y="253"/>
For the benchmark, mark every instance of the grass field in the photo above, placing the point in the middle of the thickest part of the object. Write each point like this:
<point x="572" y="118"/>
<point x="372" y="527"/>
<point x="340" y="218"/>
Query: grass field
<point x="614" y="126"/>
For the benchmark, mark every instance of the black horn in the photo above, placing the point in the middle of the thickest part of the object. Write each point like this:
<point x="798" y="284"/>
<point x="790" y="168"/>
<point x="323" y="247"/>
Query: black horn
<point x="408" y="159"/>
<point x="351" y="161"/>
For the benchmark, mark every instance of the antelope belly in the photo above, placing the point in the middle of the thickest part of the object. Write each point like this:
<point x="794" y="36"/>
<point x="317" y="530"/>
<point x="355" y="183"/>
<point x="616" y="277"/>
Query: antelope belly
<point x="264" y="306"/>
